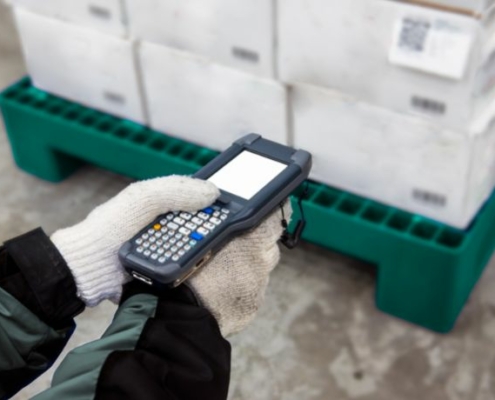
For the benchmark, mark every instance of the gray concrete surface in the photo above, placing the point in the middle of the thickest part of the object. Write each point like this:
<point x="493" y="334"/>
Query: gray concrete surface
<point x="318" y="337"/>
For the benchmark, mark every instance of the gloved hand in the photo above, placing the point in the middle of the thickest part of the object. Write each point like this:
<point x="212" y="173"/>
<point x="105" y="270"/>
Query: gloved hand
<point x="91" y="247"/>
<point x="233" y="284"/>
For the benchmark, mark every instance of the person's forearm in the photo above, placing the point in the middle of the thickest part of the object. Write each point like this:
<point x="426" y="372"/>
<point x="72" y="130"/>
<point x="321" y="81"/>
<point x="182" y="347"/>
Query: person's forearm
<point x="35" y="273"/>
<point x="161" y="345"/>
<point x="37" y="305"/>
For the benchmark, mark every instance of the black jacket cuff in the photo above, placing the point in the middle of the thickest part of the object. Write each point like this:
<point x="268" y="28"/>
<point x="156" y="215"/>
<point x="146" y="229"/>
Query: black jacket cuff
<point x="183" y="294"/>
<point x="35" y="273"/>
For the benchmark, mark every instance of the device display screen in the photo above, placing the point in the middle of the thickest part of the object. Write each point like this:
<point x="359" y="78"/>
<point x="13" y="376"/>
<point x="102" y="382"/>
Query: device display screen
<point x="247" y="174"/>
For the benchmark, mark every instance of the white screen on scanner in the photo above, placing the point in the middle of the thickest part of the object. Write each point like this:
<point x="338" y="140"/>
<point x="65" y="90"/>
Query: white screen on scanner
<point x="247" y="174"/>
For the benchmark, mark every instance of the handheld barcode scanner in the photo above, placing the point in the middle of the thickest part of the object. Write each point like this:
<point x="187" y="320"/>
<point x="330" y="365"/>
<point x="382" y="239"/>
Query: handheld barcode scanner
<point x="254" y="176"/>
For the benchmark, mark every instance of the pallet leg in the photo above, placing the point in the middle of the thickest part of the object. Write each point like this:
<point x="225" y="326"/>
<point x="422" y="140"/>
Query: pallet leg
<point x="44" y="162"/>
<point x="421" y="291"/>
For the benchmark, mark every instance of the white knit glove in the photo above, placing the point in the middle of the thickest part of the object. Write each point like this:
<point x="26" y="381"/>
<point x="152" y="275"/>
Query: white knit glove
<point x="91" y="247"/>
<point x="233" y="284"/>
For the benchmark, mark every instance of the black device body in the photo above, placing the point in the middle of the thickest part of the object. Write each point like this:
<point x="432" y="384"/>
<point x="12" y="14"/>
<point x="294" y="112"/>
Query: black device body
<point x="243" y="214"/>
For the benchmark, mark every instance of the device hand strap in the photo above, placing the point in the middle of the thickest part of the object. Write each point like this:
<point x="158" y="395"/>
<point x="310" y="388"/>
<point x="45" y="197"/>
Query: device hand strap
<point x="291" y="240"/>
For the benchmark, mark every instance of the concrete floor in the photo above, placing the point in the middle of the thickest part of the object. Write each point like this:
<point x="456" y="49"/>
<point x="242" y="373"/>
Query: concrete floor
<point x="319" y="335"/>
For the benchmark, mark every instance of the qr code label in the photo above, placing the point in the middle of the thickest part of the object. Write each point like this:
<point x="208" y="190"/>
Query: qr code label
<point x="414" y="34"/>
<point x="433" y="44"/>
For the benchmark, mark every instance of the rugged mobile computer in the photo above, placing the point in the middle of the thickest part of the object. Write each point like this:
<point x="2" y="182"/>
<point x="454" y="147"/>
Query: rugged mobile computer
<point x="254" y="177"/>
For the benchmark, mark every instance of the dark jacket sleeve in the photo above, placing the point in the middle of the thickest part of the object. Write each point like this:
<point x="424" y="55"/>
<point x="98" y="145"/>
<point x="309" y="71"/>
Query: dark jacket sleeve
<point x="38" y="302"/>
<point x="160" y="345"/>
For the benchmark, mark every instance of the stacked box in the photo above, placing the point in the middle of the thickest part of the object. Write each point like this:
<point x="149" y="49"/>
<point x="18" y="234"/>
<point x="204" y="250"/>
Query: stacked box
<point x="81" y="64"/>
<point x="410" y="59"/>
<point x="104" y="15"/>
<point x="401" y="160"/>
<point x="190" y="97"/>
<point x="235" y="33"/>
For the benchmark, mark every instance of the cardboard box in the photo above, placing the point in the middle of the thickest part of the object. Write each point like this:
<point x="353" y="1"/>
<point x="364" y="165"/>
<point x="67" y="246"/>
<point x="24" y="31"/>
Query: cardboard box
<point x="235" y="33"/>
<point x="209" y="104"/>
<point x="400" y="160"/>
<point x="81" y="64"/>
<point x="411" y="59"/>
<point x="104" y="15"/>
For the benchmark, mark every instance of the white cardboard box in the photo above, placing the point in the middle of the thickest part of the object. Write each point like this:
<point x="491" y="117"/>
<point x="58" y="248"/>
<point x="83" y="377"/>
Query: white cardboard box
<point x="235" y="33"/>
<point x="411" y="59"/>
<point x="209" y="104"/>
<point x="400" y="160"/>
<point x="81" y="64"/>
<point x="104" y="15"/>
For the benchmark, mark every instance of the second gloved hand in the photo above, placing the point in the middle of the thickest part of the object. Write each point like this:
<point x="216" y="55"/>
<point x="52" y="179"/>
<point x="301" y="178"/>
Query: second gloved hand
<point x="233" y="284"/>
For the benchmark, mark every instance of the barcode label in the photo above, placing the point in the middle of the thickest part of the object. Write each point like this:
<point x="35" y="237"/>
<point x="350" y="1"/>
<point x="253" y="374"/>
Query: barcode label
<point x="246" y="55"/>
<point x="433" y="44"/>
<point x="428" y="106"/>
<point x="426" y="197"/>
<point x="99" y="12"/>
<point x="114" y="97"/>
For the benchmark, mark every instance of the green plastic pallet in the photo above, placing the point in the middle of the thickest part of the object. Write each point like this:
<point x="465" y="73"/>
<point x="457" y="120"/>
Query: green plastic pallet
<point x="52" y="137"/>
<point x="426" y="270"/>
